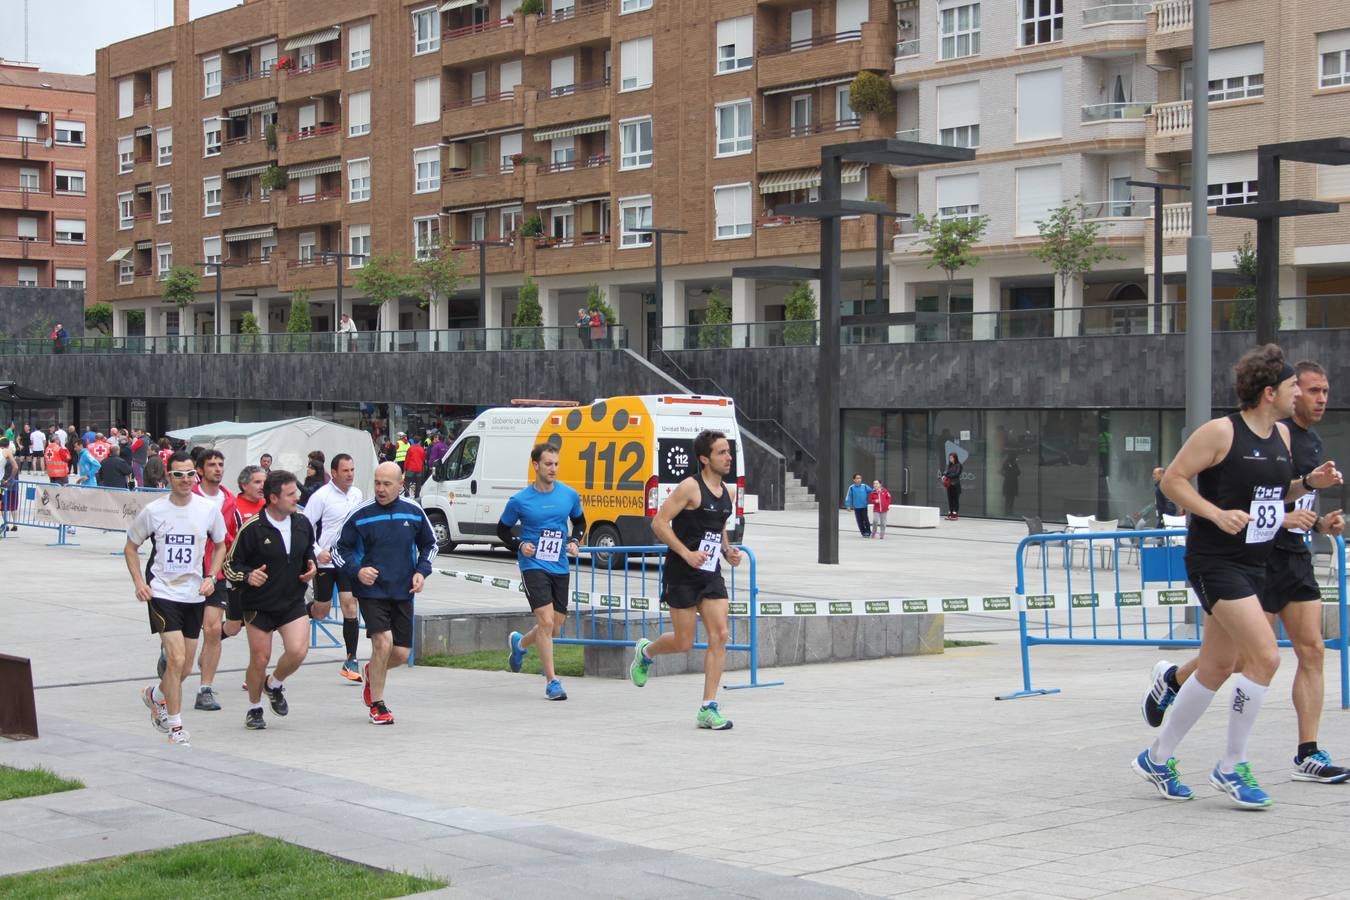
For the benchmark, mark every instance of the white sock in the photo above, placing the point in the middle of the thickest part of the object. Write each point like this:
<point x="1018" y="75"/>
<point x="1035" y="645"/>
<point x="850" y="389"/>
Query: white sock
<point x="175" y="721"/>
<point x="1247" y="699"/>
<point x="1192" y="701"/>
<point x="253" y="706"/>
<point x="272" y="683"/>
<point x="157" y="695"/>
<point x="206" y="686"/>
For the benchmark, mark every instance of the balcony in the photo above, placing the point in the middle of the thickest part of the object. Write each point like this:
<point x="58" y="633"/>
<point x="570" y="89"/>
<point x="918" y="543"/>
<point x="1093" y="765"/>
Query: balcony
<point x="144" y="170"/>
<point x="474" y="114"/>
<point x="573" y="179"/>
<point x="321" y="78"/>
<point x="799" y="146"/>
<point x="1118" y="220"/>
<point x="500" y="37"/>
<point x="589" y="253"/>
<point x="14" y="147"/>
<point x="1176" y="220"/>
<point x="810" y="58"/>
<point x="246" y="150"/>
<point x="500" y="260"/>
<point x="300" y="211"/>
<point x="42" y="250"/>
<point x="1115" y="12"/>
<point x="1171" y="26"/>
<point x="468" y="186"/>
<point x="1116" y="120"/>
<point x="586" y="22"/>
<point x="143" y="226"/>
<point x="585" y="100"/>
<point x="12" y="196"/>
<point x="242" y="90"/>
<point x="790" y="235"/>
<point x="321" y="142"/>
<point x="252" y="271"/>
<point x="1115" y="20"/>
<point x="311" y="274"/>
<point x="1172" y="119"/>
<point x="242" y="211"/>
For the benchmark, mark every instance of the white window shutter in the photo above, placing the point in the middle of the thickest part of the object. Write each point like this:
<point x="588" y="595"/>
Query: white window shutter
<point x="1038" y="192"/>
<point x="958" y="190"/>
<point x="958" y="106"/>
<point x="1234" y="62"/>
<point x="1040" y="114"/>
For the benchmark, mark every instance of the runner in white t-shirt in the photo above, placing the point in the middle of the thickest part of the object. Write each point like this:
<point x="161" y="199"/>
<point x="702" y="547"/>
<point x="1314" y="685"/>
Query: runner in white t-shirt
<point x="37" y="444"/>
<point x="172" y="586"/>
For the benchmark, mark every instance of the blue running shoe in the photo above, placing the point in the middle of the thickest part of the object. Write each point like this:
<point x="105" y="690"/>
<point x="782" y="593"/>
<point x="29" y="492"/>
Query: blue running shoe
<point x="517" y="651"/>
<point x="1160" y="695"/>
<point x="554" y="690"/>
<point x="1319" y="767"/>
<point x="1240" y="785"/>
<point x="1164" y="777"/>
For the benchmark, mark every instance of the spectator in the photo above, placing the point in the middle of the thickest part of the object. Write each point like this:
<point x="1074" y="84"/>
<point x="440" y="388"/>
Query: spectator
<point x="951" y="480"/>
<point x="140" y="451"/>
<point x="153" y="475"/>
<point x="115" y="471"/>
<point x="880" y="498"/>
<point x="414" y="465"/>
<point x="314" y="480"/>
<point x="1161" y="503"/>
<point x="87" y="464"/>
<point x="598" y="326"/>
<point x="584" y="328"/>
<point x="346" y="332"/>
<point x="855" y="498"/>
<point x="60" y="338"/>
<point x="438" y="450"/>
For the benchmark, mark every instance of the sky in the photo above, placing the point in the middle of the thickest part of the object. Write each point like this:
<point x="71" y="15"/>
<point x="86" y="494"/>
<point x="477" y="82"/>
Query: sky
<point x="57" y="47"/>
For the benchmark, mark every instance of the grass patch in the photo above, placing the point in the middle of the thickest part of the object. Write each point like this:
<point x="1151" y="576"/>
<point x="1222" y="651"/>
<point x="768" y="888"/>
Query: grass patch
<point x="16" y="783"/>
<point x="234" y="868"/>
<point x="948" y="644"/>
<point x="567" y="660"/>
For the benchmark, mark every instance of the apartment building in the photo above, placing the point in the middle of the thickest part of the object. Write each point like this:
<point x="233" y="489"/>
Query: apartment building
<point x="47" y="179"/>
<point x="404" y="125"/>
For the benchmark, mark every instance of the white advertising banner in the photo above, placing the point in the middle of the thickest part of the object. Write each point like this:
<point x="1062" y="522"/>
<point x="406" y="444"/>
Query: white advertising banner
<point x="62" y="504"/>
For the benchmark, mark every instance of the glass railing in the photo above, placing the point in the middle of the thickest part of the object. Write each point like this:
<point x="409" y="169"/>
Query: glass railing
<point x="1115" y="12"/>
<point x="1104" y="112"/>
<point x="740" y="334"/>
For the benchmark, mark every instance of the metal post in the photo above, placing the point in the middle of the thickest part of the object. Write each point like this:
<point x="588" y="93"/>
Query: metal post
<point x="219" y="279"/>
<point x="1199" y="264"/>
<point x="337" y="302"/>
<point x="1267" y="250"/>
<point x="481" y="318"/>
<point x="660" y="301"/>
<point x="881" y="257"/>
<point x="1157" y="260"/>
<point x="827" y="368"/>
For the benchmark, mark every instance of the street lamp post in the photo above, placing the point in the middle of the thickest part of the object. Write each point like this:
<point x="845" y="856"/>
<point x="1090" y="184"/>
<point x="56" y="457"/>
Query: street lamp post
<point x="660" y="280"/>
<point x="1158" y="188"/>
<point x="338" y="257"/>
<point x="218" y="266"/>
<point x="482" y="274"/>
<point x="1199" y="261"/>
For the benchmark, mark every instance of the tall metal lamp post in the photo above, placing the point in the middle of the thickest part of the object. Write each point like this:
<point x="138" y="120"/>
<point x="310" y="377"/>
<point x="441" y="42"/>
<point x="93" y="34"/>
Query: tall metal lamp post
<point x="482" y="273"/>
<point x="218" y="266"/>
<point x="1158" y="188"/>
<point x="337" y="258"/>
<point x="659" y="233"/>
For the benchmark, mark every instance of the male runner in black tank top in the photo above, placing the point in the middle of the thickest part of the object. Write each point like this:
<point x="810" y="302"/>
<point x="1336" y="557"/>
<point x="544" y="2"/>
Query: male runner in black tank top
<point x="693" y="523"/>
<point x="1292" y="593"/>
<point x="1245" y="475"/>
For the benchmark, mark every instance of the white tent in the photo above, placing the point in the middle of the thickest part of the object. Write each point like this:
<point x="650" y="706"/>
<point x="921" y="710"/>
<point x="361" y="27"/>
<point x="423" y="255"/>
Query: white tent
<point x="289" y="441"/>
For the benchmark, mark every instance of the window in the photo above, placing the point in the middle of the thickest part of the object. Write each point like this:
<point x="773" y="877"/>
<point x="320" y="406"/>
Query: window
<point x="958" y="196"/>
<point x="427" y="97"/>
<point x="1333" y="49"/>
<point x="126" y="155"/>
<point x="267" y="245"/>
<point x="164" y="146"/>
<point x="126" y="98"/>
<point x="426" y="236"/>
<point x="211" y="137"/>
<point x="478" y="226"/>
<point x="211" y="252"/>
<point x="1230" y="192"/>
<point x="1235" y="73"/>
<point x="732" y="205"/>
<point x="267" y="57"/>
<point x="635" y="141"/>
<point x="358" y="113"/>
<point x="1042" y="21"/>
<point x="1040" y="105"/>
<point x="164" y="260"/>
<point x="509" y="146"/>
<point x="307" y="56"/>
<point x="211" y="196"/>
<point x="427" y="170"/>
<point x="358" y="243"/>
<point x="358" y="180"/>
<point x="959" y="114"/>
<point x="305" y="246"/>
<point x="1038" y="192"/>
<point x="126" y="211"/>
<point x="30" y="182"/>
<point x="69" y="133"/>
<point x="960" y="27"/>
<point x="734" y="130"/>
<point x="562" y="223"/>
<point x="562" y="76"/>
<point x="70" y="231"/>
<point x="510" y="220"/>
<point x="70" y="278"/>
<point x="844" y="116"/>
<point x="164" y="88"/>
<point x="735" y="44"/>
<point x="628" y="6"/>
<point x="69" y="181"/>
<point x="799" y="114"/>
<point x="358" y="46"/>
<point x="27" y="276"/>
<point x="126" y="272"/>
<point x="564" y="9"/>
<point x="508" y="76"/>
<point x="211" y="76"/>
<point x="960" y="136"/>
<point x="635" y="212"/>
<point x="426" y="30"/>
<point x="563" y="150"/>
<point x="164" y="204"/>
<point x="27" y="226"/>
<point x="635" y="64"/>
<point x="1232" y="178"/>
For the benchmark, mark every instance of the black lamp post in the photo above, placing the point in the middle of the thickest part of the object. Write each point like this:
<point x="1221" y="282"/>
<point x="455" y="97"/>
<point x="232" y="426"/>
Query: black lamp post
<point x="1158" y="188"/>
<point x="660" y="278"/>
<point x="218" y="266"/>
<point x="338" y="257"/>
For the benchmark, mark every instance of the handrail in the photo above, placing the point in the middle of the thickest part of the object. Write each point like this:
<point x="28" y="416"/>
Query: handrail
<point x="580" y="9"/>
<point x="588" y="240"/>
<point x="590" y="162"/>
<point x="321" y="66"/>
<point x="458" y="174"/>
<point x="478" y="101"/>
<point x="820" y="40"/>
<point x="246" y="77"/>
<point x="809" y="128"/>
<point x="316" y="131"/>
<point x="297" y="199"/>
<point x="581" y="87"/>
<point x="480" y="28"/>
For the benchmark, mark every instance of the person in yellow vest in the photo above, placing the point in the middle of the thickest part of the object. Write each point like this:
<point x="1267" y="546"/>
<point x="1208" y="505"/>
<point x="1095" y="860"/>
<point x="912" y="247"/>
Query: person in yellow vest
<point x="401" y="449"/>
<point x="58" y="462"/>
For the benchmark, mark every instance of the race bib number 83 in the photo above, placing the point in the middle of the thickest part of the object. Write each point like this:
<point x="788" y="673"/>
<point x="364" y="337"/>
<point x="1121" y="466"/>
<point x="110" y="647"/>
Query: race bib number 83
<point x="1267" y="514"/>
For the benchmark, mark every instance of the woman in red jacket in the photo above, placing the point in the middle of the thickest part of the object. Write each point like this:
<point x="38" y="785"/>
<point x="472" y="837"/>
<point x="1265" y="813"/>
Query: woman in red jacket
<point x="880" y="499"/>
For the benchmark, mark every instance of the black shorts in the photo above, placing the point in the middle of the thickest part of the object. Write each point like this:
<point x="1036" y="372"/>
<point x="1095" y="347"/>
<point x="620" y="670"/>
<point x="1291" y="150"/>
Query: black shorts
<point x="388" y="615"/>
<point x="268" y="620"/>
<point x="1224" y="579"/>
<point x="543" y="588"/>
<point x="325" y="580"/>
<point x="688" y="593"/>
<point x="234" y="611"/>
<point x="170" y="615"/>
<point x="1289" y="579"/>
<point x="220" y="597"/>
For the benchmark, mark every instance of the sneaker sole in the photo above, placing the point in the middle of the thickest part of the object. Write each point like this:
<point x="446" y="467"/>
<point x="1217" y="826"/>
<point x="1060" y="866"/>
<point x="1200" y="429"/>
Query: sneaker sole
<point x="353" y="677"/>
<point x="1320" y="779"/>
<point x="1161" y="789"/>
<point x="559" y="697"/>
<point x="1239" y="803"/>
<point x="215" y="707"/>
<point x="390" y="722"/>
<point x="726" y="727"/>
<point x="261" y="726"/>
<point x="154" y="717"/>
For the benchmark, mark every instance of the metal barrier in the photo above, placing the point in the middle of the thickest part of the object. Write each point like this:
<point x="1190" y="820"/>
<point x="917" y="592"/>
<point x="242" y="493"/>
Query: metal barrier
<point x="1096" y="591"/>
<point x="22" y="499"/>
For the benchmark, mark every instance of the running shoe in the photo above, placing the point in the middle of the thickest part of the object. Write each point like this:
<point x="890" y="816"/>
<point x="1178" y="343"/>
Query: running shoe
<point x="1160" y="695"/>
<point x="380" y="714"/>
<point x="554" y="690"/>
<point x="641" y="664"/>
<point x="253" y="720"/>
<point x="710" y="717"/>
<point x="1319" y="767"/>
<point x="351" y="671"/>
<point x="179" y="737"/>
<point x="1164" y="777"/>
<point x="162" y="664"/>
<point x="159" y="713"/>
<point x="1241" y="787"/>
<point x="277" y="697"/>
<point x="517" y="651"/>
<point x="206" y="700"/>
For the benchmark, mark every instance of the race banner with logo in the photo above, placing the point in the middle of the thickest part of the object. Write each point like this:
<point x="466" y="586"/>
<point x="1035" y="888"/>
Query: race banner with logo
<point x="68" y="504"/>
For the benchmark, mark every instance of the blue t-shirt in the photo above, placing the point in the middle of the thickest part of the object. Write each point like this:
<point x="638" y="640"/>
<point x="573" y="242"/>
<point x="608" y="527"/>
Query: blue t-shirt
<point x="858" y="495"/>
<point x="545" y="522"/>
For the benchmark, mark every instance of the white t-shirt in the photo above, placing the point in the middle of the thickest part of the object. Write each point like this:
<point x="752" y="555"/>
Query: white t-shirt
<point x="284" y="527"/>
<point x="37" y="441"/>
<point x="327" y="509"/>
<point x="217" y="499"/>
<point x="179" y="534"/>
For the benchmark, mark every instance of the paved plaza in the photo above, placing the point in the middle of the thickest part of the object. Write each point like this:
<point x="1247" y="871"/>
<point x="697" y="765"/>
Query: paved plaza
<point x="874" y="778"/>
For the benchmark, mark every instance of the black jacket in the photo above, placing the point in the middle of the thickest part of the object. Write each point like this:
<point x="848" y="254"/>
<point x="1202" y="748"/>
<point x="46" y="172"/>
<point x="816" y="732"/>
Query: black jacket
<point x="259" y="543"/>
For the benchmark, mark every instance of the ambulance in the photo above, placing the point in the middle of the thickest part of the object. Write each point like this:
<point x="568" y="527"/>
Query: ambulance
<point x="623" y="455"/>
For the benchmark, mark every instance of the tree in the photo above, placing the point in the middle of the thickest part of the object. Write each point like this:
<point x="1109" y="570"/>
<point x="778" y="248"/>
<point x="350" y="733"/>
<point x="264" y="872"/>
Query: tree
<point x="274" y="177"/>
<point x="437" y="276"/>
<point x="99" y="317"/>
<point x="949" y="243"/>
<point x="248" y="327"/>
<point x="530" y="7"/>
<point x="1244" y="301"/>
<point x="529" y="314"/>
<point x="800" y="312"/>
<point x="299" y="325"/>
<point x="1070" y="244"/>
<point x="870" y="93"/>
<point x="597" y="300"/>
<point x="385" y="278"/>
<point x="533" y="226"/>
<point x="716" y="330"/>
<point x="136" y="320"/>
<point x="180" y="287"/>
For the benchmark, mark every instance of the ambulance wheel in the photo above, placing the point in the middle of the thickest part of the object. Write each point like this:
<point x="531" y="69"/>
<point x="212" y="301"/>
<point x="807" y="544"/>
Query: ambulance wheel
<point x="604" y="535"/>
<point x="441" y="529"/>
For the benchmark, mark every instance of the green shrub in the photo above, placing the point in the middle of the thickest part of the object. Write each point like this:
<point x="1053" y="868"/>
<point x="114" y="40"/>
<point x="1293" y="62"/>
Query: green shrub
<point x="870" y="93"/>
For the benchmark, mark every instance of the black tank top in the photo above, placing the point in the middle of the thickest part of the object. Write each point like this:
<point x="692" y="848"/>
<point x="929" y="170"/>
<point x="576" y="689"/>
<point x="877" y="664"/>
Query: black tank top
<point x="1306" y="445"/>
<point x="693" y="526"/>
<point x="1254" y="478"/>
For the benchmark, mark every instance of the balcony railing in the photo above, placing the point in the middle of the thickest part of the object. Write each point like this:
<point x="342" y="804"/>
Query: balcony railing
<point x="586" y="240"/>
<point x="1173" y="15"/>
<point x="1115" y="12"/>
<point x="907" y="134"/>
<point x="905" y="49"/>
<point x="485" y="172"/>
<point x="809" y="128"/>
<point x="480" y="28"/>
<point x="321" y="66"/>
<point x="1105" y="112"/>
<point x="478" y="101"/>
<point x="247" y="77"/>
<point x="305" y="134"/>
<point x="820" y="40"/>
<point x="571" y="165"/>
<point x="1115" y="209"/>
<point x="574" y="12"/>
<point x="235" y="141"/>
<point x="298" y="199"/>
<point x="1172" y="118"/>
<point x="237" y="202"/>
<point x="581" y="87"/>
<point x="1176" y="220"/>
<point x="780" y="221"/>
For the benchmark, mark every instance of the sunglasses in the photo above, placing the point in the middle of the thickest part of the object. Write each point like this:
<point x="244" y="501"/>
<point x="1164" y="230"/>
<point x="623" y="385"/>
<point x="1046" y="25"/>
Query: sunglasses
<point x="182" y="474"/>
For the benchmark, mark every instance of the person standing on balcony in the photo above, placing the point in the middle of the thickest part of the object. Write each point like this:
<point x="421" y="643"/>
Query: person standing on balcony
<point x="855" y="498"/>
<point x="346" y="332"/>
<point x="598" y="327"/>
<point x="60" y="338"/>
<point x="584" y="328"/>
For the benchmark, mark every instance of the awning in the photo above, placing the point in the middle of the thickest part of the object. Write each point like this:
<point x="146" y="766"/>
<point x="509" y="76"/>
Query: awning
<point x="237" y="111"/>
<point x="144" y="245"/>
<point x="478" y="207"/>
<point x="143" y="131"/>
<point x="269" y="106"/>
<point x="558" y="204"/>
<point x="120" y="255"/>
<point x="247" y="171"/>
<point x="549" y="134"/>
<point x="10" y="392"/>
<point x="456" y="4"/>
<point x="807" y="85"/>
<point x="249" y="234"/>
<point x="144" y="188"/>
<point x="804" y="179"/>
<point x="314" y="37"/>
<point x="321" y="168"/>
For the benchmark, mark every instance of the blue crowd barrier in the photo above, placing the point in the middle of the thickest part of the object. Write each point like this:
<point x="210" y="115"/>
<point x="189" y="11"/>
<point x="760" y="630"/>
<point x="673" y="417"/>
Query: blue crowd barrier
<point x="1104" y="597"/>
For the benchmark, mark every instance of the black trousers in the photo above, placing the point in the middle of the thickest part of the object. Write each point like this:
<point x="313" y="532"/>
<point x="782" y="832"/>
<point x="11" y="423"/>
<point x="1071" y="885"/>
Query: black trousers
<point x="864" y="525"/>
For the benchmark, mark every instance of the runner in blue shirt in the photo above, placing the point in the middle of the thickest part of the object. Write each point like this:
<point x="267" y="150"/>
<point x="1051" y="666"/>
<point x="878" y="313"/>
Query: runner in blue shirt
<point x="543" y="511"/>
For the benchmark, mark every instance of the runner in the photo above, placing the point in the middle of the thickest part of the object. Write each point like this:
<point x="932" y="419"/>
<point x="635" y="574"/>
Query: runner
<point x="385" y="550"/>
<point x="693" y="523"/>
<point x="326" y="510"/>
<point x="543" y="510"/>
<point x="272" y="561"/>
<point x="179" y="527"/>
<point x="1245" y="476"/>
<point x="238" y="510"/>
<point x="210" y="472"/>
<point x="37" y="445"/>
<point x="1292" y="594"/>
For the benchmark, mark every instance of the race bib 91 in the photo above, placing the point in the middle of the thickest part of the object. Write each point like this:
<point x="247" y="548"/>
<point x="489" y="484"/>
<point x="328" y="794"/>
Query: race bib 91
<point x="180" y="554"/>
<point x="549" y="548"/>
<point x="1307" y="501"/>
<point x="712" y="546"/>
<point x="1267" y="514"/>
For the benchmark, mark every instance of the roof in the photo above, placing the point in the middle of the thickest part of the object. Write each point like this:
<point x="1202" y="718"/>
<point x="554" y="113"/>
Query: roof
<point x="216" y="431"/>
<point x="31" y="78"/>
